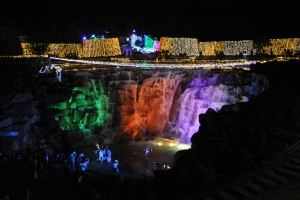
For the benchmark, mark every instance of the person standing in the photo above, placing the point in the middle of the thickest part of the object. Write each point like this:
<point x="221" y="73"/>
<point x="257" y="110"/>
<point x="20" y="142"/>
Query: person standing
<point x="105" y="154"/>
<point x="101" y="156"/>
<point x="108" y="157"/>
<point x="116" y="166"/>
<point x="147" y="152"/>
<point x="72" y="158"/>
<point x="80" y="158"/>
<point x="84" y="167"/>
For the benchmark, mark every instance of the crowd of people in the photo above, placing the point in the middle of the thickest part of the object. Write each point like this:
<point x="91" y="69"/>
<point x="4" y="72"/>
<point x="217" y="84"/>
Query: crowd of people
<point x="78" y="163"/>
<point x="104" y="157"/>
<point x="42" y="171"/>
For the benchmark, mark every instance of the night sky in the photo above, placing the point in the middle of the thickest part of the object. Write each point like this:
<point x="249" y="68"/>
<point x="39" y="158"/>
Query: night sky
<point x="205" y="20"/>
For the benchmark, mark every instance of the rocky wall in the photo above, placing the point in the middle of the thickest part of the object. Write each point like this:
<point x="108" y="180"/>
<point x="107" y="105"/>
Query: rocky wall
<point x="25" y="120"/>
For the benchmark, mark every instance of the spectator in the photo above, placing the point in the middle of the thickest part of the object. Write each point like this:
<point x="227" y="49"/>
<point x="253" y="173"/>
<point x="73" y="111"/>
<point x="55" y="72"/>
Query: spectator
<point x="84" y="167"/>
<point x="101" y="156"/>
<point x="108" y="157"/>
<point x="115" y="166"/>
<point x="72" y="158"/>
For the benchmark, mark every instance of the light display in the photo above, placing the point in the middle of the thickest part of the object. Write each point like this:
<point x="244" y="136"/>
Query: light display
<point x="178" y="46"/>
<point x="165" y="44"/>
<point x="146" y="45"/>
<point x="235" y="47"/>
<point x="231" y="48"/>
<point x="186" y="46"/>
<point x="228" y="48"/>
<point x="86" y="108"/>
<point x="59" y="50"/>
<point x="279" y="45"/>
<point x="134" y="40"/>
<point x="102" y="47"/>
<point x="88" y="48"/>
<point x="151" y="107"/>
<point x="150" y="44"/>
<point x="205" y="64"/>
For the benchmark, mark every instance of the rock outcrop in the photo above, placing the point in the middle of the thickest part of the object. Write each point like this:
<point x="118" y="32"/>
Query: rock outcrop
<point x="25" y="120"/>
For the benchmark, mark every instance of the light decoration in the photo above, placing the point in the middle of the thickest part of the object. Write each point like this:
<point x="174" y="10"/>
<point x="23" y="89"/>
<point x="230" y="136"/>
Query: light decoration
<point x="229" y="48"/>
<point x="177" y="46"/>
<point x="25" y="56"/>
<point x="135" y="38"/>
<point x="210" y="48"/>
<point x="169" y="64"/>
<point x="100" y="48"/>
<point x="86" y="108"/>
<point x="88" y="48"/>
<point x="150" y="44"/>
<point x="186" y="46"/>
<point x="165" y="44"/>
<point x="63" y="50"/>
<point x="111" y="47"/>
<point x="60" y="50"/>
<point x="156" y="45"/>
<point x="235" y="47"/>
<point x="279" y="45"/>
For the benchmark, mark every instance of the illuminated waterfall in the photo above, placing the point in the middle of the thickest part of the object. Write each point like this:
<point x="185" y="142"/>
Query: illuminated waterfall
<point x="142" y="105"/>
<point x="210" y="90"/>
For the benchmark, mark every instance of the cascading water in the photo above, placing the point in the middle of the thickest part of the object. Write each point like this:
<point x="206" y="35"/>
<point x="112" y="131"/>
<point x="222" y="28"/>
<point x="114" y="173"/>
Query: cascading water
<point x="210" y="90"/>
<point x="142" y="105"/>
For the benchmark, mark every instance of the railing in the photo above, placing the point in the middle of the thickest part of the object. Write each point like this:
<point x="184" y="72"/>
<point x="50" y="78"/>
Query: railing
<point x="151" y="165"/>
<point x="292" y="148"/>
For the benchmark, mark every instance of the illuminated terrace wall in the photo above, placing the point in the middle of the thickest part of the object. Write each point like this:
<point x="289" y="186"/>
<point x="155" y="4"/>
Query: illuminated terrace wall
<point x="101" y="48"/>
<point x="228" y="48"/>
<point x="279" y="45"/>
<point x="88" y="49"/>
<point x="57" y="50"/>
<point x="231" y="48"/>
<point x="177" y="46"/>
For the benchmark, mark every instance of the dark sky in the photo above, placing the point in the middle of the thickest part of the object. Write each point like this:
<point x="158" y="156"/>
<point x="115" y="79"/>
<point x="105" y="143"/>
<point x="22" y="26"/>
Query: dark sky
<point x="205" y="20"/>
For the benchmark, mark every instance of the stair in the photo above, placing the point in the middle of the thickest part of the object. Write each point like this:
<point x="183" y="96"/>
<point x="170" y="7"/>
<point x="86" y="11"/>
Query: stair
<point x="265" y="182"/>
<point x="259" y="183"/>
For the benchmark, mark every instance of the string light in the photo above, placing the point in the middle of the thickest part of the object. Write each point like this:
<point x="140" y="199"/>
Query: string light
<point x="175" y="46"/>
<point x="88" y="48"/>
<point x="211" y="64"/>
